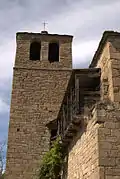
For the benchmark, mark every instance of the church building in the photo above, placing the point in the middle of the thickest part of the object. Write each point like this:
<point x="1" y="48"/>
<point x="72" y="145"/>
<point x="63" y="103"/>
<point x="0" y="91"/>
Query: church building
<point x="49" y="98"/>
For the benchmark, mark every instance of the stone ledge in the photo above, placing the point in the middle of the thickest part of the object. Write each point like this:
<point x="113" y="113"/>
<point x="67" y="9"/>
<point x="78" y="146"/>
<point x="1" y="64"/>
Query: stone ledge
<point x="100" y="110"/>
<point x="42" y="69"/>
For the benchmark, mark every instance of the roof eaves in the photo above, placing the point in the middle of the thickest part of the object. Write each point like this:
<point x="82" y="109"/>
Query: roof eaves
<point x="101" y="45"/>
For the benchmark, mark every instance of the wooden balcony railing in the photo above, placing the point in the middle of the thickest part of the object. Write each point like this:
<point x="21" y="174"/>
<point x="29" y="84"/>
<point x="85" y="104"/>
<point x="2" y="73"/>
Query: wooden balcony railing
<point x="83" y="91"/>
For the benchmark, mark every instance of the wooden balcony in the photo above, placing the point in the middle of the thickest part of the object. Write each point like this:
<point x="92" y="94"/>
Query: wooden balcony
<point x="82" y="93"/>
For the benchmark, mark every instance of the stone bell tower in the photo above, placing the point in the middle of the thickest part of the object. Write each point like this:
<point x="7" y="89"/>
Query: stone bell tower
<point x="43" y="67"/>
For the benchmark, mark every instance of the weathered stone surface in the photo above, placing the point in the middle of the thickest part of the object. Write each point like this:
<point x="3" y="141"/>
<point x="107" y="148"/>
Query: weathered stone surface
<point x="97" y="147"/>
<point x="38" y="90"/>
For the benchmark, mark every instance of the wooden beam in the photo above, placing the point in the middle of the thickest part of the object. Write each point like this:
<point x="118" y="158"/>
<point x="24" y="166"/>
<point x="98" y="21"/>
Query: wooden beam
<point x="91" y="93"/>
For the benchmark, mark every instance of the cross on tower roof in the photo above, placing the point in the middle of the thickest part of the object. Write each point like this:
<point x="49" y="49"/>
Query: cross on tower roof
<point x="45" y="23"/>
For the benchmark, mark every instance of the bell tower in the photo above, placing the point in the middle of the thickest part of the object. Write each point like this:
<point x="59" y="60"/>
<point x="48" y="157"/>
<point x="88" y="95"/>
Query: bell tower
<point x="42" y="70"/>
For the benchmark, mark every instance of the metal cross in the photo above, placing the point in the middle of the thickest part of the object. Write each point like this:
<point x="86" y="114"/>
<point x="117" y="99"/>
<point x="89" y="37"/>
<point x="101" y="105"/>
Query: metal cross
<point x="44" y="23"/>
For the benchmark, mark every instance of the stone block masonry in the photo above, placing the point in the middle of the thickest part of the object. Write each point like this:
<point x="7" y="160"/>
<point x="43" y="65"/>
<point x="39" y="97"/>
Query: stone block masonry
<point x="35" y="103"/>
<point x="109" y="141"/>
<point x="95" y="153"/>
<point x="37" y="95"/>
<point x="97" y="156"/>
<point x="38" y="90"/>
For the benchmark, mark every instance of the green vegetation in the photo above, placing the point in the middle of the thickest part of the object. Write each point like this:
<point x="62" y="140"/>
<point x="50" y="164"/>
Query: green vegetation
<point x="52" y="162"/>
<point x="3" y="176"/>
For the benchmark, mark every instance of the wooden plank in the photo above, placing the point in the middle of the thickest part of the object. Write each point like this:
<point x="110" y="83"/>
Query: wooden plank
<point x="77" y="93"/>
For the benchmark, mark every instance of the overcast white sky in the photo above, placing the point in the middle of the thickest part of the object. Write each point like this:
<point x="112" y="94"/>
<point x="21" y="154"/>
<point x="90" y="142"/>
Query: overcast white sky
<point x="85" y="19"/>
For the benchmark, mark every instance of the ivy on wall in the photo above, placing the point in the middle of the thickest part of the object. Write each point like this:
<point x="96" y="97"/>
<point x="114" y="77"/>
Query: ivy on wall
<point x="52" y="162"/>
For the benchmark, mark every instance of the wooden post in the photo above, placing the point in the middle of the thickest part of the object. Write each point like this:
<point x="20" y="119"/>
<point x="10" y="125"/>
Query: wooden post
<point x="77" y="94"/>
<point x="71" y="104"/>
<point x="67" y="118"/>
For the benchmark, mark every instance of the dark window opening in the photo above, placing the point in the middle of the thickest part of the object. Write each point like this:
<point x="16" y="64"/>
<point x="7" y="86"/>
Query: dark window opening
<point x="53" y="55"/>
<point x="18" y="129"/>
<point x="35" y="51"/>
<point x="53" y="135"/>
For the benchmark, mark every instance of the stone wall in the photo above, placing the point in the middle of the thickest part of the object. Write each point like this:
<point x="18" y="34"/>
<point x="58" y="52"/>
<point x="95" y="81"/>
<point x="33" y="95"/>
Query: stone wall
<point x="109" y="62"/>
<point x="104" y="63"/>
<point x="83" y="153"/>
<point x="103" y="130"/>
<point x="109" y="140"/>
<point x="38" y="90"/>
<point x="95" y="153"/>
<point x="115" y="65"/>
<point x="23" y="51"/>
